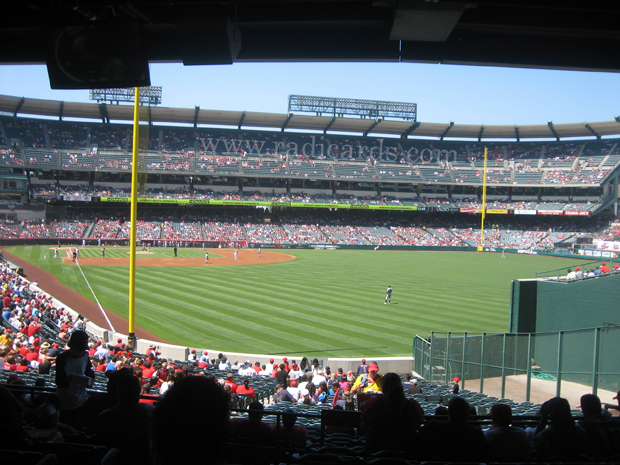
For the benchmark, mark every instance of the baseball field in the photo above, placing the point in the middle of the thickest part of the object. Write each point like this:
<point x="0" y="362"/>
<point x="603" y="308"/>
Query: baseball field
<point x="306" y="302"/>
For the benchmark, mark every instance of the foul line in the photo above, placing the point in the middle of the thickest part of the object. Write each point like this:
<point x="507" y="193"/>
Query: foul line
<point x="96" y="300"/>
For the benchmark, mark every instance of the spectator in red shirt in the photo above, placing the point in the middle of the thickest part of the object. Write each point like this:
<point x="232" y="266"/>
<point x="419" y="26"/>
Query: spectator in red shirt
<point x="34" y="327"/>
<point x="9" y="363"/>
<point x="245" y="389"/>
<point x="101" y="367"/>
<point x="32" y="355"/>
<point x="145" y="394"/>
<point x="22" y="349"/>
<point x="230" y="381"/>
<point x="148" y="371"/>
<point x="22" y="365"/>
<point x="257" y="367"/>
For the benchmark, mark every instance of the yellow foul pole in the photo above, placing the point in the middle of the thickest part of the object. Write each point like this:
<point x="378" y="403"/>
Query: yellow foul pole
<point x="484" y="200"/>
<point x="134" y="213"/>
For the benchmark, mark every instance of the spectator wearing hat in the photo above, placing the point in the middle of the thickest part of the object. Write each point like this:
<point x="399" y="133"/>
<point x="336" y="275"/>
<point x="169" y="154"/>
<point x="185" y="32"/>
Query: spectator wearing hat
<point x="192" y="357"/>
<point x="414" y="388"/>
<point x="269" y="366"/>
<point x="578" y="273"/>
<point x="204" y="360"/>
<point x="455" y="387"/>
<point x="245" y="369"/>
<point x="6" y="339"/>
<point x="362" y="367"/>
<point x="604" y="268"/>
<point x="369" y="382"/>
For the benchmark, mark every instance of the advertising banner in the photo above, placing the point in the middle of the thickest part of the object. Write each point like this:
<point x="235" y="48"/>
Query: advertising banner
<point x="246" y="203"/>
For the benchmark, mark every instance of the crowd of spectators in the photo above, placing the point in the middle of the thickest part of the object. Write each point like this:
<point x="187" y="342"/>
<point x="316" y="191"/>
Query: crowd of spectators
<point x="69" y="229"/>
<point x="366" y="227"/>
<point x="181" y="231"/>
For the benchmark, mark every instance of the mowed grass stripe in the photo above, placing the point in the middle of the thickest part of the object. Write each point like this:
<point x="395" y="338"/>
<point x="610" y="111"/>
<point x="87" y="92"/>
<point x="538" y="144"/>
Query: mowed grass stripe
<point x="326" y="302"/>
<point x="242" y="309"/>
<point x="244" y="305"/>
<point x="387" y="327"/>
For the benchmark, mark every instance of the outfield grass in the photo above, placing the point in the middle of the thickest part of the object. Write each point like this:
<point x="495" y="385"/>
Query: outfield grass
<point x="324" y="303"/>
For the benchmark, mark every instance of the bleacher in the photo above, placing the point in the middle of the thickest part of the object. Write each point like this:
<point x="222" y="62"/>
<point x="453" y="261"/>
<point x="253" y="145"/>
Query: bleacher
<point x="311" y="168"/>
<point x="43" y="158"/>
<point x="527" y="177"/>
<point x="346" y="170"/>
<point x="216" y="165"/>
<point x="260" y="167"/>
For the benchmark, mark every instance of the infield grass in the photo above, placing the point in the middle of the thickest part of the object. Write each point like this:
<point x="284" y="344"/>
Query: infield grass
<point x="323" y="303"/>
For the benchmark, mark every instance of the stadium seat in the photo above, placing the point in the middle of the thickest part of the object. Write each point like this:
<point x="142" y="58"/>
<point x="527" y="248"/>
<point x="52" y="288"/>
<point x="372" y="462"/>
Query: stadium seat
<point x="342" y="418"/>
<point x="73" y="453"/>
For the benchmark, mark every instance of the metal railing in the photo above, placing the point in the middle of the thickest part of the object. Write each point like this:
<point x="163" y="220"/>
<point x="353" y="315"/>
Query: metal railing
<point x="525" y="367"/>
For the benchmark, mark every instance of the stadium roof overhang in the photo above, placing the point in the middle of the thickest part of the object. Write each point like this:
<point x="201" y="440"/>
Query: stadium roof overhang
<point x="526" y="33"/>
<point x="257" y="120"/>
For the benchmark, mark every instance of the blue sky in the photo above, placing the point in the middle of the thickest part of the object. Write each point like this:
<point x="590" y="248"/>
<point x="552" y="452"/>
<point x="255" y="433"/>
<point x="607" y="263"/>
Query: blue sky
<point x="463" y="94"/>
